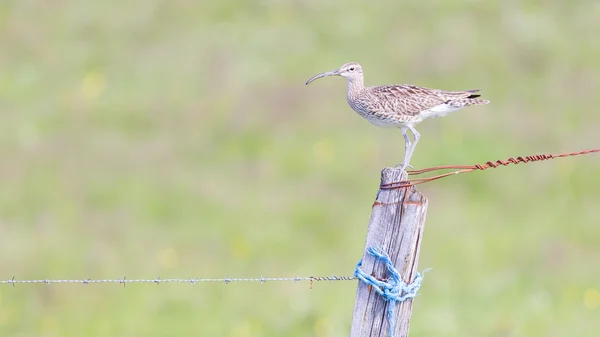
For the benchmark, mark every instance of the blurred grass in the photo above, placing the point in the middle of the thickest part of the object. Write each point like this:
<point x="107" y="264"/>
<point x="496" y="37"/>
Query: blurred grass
<point x="177" y="139"/>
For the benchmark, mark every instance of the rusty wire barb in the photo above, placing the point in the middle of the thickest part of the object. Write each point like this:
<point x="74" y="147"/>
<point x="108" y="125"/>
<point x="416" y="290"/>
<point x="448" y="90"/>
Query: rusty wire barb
<point x="192" y="281"/>
<point x="477" y="167"/>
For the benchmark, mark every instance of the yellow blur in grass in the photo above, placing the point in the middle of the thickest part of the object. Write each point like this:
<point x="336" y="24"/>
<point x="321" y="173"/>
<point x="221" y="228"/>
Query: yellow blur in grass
<point x="168" y="258"/>
<point x="591" y="298"/>
<point x="93" y="85"/>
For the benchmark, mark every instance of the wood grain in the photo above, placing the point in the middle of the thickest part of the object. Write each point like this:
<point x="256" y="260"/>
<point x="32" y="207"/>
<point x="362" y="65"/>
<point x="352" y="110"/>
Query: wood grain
<point x="396" y="225"/>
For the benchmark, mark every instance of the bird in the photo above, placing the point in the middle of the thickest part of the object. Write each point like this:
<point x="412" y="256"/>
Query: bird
<point x="400" y="105"/>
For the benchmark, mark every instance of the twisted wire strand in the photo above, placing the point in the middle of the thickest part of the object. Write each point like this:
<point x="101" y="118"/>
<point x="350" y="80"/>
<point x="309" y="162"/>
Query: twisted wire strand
<point x="477" y="167"/>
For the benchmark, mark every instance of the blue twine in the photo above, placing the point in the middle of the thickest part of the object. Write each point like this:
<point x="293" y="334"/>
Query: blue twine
<point x="394" y="290"/>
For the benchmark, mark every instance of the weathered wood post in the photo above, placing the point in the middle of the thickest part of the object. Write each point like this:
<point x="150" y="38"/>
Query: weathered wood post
<point x="396" y="225"/>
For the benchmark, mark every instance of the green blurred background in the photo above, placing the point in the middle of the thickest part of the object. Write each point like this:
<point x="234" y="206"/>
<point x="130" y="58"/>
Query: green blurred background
<point x="177" y="139"/>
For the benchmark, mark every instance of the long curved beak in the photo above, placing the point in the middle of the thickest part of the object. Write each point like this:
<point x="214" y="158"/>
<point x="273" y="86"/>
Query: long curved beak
<point x="329" y="73"/>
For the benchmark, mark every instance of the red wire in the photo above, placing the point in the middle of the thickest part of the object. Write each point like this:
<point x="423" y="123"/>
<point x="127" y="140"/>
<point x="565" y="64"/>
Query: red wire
<point x="480" y="167"/>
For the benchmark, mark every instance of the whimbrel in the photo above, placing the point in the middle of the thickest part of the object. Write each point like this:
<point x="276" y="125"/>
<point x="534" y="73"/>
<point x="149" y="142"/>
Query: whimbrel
<point x="401" y="105"/>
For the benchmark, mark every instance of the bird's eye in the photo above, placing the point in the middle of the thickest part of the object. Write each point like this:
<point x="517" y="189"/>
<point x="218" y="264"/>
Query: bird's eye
<point x="351" y="69"/>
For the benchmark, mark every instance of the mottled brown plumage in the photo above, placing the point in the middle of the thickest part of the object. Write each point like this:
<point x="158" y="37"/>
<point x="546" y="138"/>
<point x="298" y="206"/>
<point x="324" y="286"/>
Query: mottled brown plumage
<point x="400" y="105"/>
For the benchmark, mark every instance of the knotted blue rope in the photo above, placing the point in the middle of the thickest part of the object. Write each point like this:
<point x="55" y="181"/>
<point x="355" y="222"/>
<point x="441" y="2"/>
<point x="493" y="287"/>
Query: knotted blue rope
<point x="393" y="290"/>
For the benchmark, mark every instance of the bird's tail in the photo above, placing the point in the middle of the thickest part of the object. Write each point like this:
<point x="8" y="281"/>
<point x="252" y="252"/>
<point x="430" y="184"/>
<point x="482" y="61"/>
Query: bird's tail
<point x="476" y="101"/>
<point x="461" y="99"/>
<point x="472" y="98"/>
<point x="459" y="103"/>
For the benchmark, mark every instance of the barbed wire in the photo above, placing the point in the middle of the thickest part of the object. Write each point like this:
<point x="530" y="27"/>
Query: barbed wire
<point x="477" y="167"/>
<point x="400" y="184"/>
<point x="226" y="280"/>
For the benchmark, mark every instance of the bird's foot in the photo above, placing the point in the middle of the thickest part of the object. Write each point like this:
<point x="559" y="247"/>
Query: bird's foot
<point x="403" y="166"/>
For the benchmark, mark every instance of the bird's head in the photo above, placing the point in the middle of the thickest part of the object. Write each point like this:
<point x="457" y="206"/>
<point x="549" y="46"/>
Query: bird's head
<point x="351" y="71"/>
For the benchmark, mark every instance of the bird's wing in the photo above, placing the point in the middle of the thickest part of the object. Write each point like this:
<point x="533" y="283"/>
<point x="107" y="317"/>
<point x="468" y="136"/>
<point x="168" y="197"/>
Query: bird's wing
<point x="411" y="100"/>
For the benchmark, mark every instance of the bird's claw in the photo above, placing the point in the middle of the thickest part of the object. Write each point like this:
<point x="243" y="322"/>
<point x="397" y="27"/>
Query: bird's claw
<point x="401" y="166"/>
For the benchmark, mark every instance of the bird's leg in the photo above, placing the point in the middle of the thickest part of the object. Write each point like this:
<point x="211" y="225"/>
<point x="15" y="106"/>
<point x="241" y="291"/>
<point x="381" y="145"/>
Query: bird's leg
<point x="407" y="145"/>
<point x="409" y="153"/>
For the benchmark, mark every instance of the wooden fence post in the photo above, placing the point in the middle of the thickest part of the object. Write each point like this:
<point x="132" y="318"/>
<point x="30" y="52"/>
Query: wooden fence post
<point x="396" y="226"/>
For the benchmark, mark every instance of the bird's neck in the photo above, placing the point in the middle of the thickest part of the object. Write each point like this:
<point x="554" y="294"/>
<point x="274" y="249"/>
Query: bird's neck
<point x="355" y="86"/>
